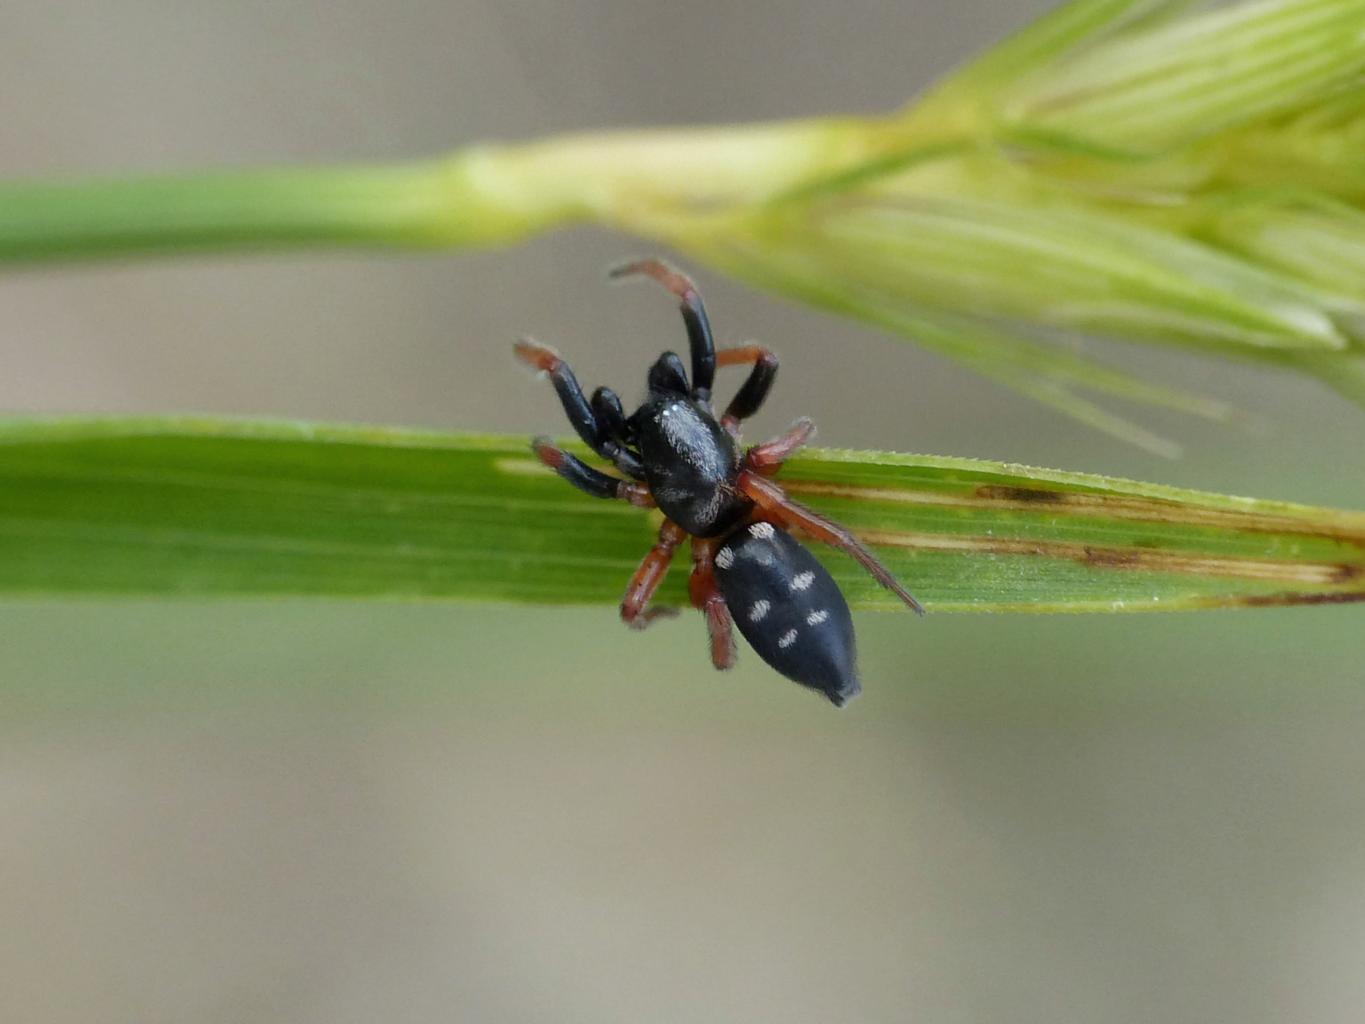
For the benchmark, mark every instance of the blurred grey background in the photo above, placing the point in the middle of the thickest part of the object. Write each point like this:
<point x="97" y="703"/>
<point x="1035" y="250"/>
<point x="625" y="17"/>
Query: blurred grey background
<point x="314" y="812"/>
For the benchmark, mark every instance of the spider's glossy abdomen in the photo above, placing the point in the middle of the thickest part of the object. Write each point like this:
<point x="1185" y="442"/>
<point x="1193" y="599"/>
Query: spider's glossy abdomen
<point x="691" y="463"/>
<point x="789" y="609"/>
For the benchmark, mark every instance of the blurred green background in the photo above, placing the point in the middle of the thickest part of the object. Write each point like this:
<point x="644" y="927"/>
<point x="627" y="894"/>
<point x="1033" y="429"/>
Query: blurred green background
<point x="340" y="812"/>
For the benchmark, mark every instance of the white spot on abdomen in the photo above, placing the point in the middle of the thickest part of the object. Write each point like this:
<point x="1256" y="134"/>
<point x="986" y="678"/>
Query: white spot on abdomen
<point x="815" y="618"/>
<point x="803" y="581"/>
<point x="763" y="531"/>
<point x="725" y="558"/>
<point x="759" y="610"/>
<point x="787" y="639"/>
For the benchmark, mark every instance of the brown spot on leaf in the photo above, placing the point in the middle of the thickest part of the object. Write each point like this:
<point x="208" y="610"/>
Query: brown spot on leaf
<point x="1127" y="559"/>
<point x="1027" y="495"/>
<point x="1113" y="558"/>
<point x="1342" y="527"/>
<point x="1347" y="573"/>
<point x="1285" y="600"/>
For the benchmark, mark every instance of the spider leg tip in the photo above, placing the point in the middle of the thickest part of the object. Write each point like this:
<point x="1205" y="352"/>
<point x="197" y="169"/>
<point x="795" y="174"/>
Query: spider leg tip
<point x="547" y="453"/>
<point x="661" y="271"/>
<point x="537" y="355"/>
<point x="626" y="268"/>
<point x="911" y="602"/>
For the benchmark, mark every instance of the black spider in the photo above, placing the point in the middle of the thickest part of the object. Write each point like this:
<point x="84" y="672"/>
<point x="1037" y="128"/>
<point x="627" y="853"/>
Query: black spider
<point x="683" y="460"/>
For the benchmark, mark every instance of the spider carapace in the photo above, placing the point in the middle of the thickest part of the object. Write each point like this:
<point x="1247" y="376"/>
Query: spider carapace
<point x="680" y="457"/>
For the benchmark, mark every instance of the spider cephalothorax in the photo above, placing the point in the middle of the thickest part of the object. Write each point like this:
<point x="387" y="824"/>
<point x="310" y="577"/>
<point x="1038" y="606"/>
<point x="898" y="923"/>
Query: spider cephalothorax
<point x="684" y="460"/>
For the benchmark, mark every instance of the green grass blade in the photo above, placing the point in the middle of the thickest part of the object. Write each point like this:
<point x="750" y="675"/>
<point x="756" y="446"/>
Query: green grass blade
<point x="1194" y="76"/>
<point x="1317" y="239"/>
<point x="1051" y="37"/>
<point x="207" y="507"/>
<point x="286" y="207"/>
<point x="1071" y="265"/>
<point x="479" y="196"/>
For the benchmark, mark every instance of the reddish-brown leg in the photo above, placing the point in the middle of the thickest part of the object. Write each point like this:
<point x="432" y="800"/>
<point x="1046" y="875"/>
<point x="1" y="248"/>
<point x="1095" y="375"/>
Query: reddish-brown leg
<point x="755" y="387"/>
<point x="699" y="338"/>
<point x="745" y="355"/>
<point x="652" y="570"/>
<point x="773" y="502"/>
<point x="670" y="277"/>
<point x="767" y="458"/>
<point x="707" y="598"/>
